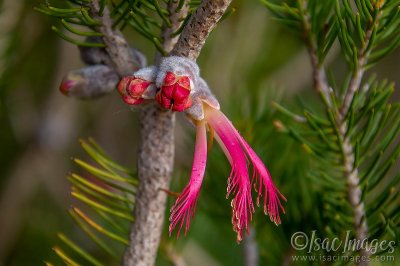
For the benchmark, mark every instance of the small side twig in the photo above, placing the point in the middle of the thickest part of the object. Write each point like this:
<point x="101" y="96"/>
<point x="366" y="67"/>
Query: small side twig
<point x="355" y="81"/>
<point x="174" y="257"/>
<point x="319" y="74"/>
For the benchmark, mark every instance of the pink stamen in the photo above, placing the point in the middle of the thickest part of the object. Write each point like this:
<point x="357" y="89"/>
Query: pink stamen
<point x="185" y="206"/>
<point x="239" y="181"/>
<point x="262" y="176"/>
<point x="238" y="152"/>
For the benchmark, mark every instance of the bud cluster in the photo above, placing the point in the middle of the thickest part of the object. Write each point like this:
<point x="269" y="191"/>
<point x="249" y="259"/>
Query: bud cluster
<point x="175" y="85"/>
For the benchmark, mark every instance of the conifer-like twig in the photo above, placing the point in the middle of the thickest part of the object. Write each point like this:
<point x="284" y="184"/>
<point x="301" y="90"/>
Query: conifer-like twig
<point x="319" y="74"/>
<point x="351" y="173"/>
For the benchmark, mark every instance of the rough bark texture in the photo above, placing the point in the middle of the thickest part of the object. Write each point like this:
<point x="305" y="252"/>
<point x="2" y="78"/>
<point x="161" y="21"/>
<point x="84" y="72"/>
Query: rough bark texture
<point x="354" y="193"/>
<point x="351" y="173"/>
<point x="194" y="35"/>
<point x="155" y="166"/>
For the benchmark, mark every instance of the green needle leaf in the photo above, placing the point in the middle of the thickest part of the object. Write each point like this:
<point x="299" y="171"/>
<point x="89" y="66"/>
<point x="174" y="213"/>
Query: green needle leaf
<point x="80" y="251"/>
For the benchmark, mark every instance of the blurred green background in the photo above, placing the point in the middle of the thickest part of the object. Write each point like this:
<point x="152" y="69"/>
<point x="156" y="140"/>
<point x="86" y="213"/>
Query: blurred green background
<point x="249" y="61"/>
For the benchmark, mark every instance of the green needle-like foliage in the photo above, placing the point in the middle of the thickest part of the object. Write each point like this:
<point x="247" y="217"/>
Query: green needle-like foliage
<point x="106" y="191"/>
<point x="353" y="135"/>
<point x="373" y="129"/>
<point x="146" y="17"/>
<point x="73" y="15"/>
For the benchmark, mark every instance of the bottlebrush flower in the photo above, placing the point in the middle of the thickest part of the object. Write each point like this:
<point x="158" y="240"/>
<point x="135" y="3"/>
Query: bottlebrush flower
<point x="205" y="113"/>
<point x="180" y="88"/>
<point x="140" y="86"/>
<point x="240" y="155"/>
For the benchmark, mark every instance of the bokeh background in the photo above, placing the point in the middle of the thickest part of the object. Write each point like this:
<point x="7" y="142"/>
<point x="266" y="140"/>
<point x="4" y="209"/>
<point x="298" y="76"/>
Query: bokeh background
<point x="249" y="61"/>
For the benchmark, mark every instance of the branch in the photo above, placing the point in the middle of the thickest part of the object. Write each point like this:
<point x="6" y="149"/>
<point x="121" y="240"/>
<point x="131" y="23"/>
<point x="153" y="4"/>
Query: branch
<point x="199" y="26"/>
<point x="351" y="173"/>
<point x="122" y="58"/>
<point x="319" y="74"/>
<point x="155" y="166"/>
<point x="156" y="152"/>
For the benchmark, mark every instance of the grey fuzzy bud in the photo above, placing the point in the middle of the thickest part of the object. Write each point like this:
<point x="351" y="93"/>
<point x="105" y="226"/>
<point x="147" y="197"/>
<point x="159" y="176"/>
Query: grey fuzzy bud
<point x="89" y="82"/>
<point x="147" y="73"/>
<point x="196" y="111"/>
<point x="202" y="94"/>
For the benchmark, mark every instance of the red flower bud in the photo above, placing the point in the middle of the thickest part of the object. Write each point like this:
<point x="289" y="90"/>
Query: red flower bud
<point x="175" y="93"/>
<point x="132" y="88"/>
<point x="66" y="86"/>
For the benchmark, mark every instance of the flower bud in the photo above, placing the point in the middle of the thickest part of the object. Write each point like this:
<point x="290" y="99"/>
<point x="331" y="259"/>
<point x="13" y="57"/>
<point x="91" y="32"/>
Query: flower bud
<point x="175" y="92"/>
<point x="89" y="82"/>
<point x="138" y="87"/>
<point x="176" y="79"/>
<point x="132" y="88"/>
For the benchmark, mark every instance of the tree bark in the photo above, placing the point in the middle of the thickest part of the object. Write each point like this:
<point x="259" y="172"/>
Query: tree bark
<point x="155" y="165"/>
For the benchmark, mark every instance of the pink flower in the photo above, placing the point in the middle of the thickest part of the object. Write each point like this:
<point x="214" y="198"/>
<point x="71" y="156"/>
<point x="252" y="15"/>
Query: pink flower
<point x="175" y="92"/>
<point x="176" y="85"/>
<point x="240" y="156"/>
